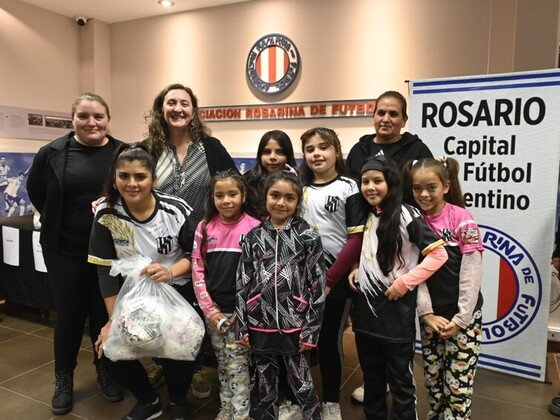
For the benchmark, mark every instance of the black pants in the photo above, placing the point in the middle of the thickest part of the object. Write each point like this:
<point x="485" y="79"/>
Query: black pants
<point x="331" y="354"/>
<point x="75" y="288"/>
<point x="385" y="362"/>
<point x="132" y="375"/>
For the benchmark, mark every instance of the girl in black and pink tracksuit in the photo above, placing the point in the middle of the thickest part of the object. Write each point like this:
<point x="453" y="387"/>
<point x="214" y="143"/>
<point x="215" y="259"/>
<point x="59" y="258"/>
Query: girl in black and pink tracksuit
<point x="280" y="297"/>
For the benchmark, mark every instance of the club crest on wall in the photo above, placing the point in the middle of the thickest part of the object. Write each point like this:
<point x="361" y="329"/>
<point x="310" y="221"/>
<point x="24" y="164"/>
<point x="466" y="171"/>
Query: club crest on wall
<point x="272" y="64"/>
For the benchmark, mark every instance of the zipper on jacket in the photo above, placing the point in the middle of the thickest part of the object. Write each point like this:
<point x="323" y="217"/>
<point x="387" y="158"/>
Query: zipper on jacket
<point x="276" y="279"/>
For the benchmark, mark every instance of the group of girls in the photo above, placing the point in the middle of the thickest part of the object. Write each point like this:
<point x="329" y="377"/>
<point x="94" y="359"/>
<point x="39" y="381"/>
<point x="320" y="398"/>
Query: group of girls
<point x="276" y="283"/>
<point x="291" y="298"/>
<point x="392" y="284"/>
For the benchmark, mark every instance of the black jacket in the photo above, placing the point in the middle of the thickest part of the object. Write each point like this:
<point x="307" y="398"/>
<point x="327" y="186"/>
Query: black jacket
<point x="408" y="148"/>
<point x="45" y="187"/>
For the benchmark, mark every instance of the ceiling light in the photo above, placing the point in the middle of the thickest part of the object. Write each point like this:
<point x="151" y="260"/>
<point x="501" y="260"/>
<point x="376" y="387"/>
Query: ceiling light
<point x="166" y="3"/>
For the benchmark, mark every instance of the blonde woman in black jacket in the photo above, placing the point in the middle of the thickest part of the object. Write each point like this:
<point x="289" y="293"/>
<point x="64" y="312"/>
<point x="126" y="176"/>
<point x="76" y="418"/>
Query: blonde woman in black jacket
<point x="66" y="176"/>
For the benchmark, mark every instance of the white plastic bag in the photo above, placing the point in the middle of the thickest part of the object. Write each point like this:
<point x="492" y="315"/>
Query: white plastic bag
<point x="150" y="319"/>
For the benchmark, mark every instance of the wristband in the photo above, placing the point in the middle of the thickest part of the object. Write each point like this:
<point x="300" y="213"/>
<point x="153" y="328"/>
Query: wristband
<point x="221" y="323"/>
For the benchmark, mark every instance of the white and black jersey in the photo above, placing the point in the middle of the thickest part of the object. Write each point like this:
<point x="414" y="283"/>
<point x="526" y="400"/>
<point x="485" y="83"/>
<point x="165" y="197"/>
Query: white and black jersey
<point x="166" y="236"/>
<point x="334" y="210"/>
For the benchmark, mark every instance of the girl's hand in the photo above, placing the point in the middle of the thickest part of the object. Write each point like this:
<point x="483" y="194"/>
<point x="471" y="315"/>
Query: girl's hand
<point x="102" y="337"/>
<point x="449" y="331"/>
<point x="392" y="293"/>
<point x="216" y="320"/>
<point x="304" y="347"/>
<point x="353" y="280"/>
<point x="435" y="322"/>
<point x="158" y="273"/>
<point x="245" y="342"/>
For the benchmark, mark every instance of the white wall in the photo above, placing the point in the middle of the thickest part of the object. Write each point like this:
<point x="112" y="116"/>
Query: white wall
<point x="352" y="49"/>
<point x="349" y="50"/>
<point x="39" y="64"/>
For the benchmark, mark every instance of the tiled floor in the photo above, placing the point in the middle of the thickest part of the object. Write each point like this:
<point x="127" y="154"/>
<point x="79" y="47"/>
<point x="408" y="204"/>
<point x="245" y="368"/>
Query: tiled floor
<point x="26" y="382"/>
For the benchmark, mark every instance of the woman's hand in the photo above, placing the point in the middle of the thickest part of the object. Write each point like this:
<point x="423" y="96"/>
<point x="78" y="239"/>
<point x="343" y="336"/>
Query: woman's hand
<point x="101" y="338"/>
<point x="158" y="272"/>
<point x="95" y="204"/>
<point x="353" y="280"/>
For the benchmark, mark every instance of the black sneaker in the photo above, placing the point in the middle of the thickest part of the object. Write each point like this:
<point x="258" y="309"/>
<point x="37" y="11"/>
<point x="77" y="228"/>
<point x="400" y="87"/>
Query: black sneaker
<point x="62" y="400"/>
<point x="143" y="411"/>
<point x="111" y="391"/>
<point x="178" y="411"/>
<point x="554" y="406"/>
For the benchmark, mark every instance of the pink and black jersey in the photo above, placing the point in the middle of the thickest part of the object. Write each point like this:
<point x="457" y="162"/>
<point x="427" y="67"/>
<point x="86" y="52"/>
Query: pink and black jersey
<point x="216" y="254"/>
<point x="458" y="229"/>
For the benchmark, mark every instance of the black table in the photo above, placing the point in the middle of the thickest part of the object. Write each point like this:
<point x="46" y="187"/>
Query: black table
<point x="23" y="284"/>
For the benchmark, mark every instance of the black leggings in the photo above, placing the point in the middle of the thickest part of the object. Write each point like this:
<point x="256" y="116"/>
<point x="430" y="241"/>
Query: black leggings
<point x="75" y="288"/>
<point x="331" y="354"/>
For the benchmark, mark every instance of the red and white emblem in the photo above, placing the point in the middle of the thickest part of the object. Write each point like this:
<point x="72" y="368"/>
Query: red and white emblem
<point x="272" y="64"/>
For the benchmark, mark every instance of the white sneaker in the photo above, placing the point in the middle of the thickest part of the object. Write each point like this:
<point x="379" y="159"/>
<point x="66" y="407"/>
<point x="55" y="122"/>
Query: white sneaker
<point x="357" y="396"/>
<point x="331" y="411"/>
<point x="289" y="411"/>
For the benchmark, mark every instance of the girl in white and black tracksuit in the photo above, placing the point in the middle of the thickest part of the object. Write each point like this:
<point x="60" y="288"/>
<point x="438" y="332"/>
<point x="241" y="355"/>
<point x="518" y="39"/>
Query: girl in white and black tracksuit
<point x="280" y="297"/>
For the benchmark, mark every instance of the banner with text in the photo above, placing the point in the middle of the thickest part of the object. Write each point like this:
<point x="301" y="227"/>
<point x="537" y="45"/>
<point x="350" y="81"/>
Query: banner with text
<point x="505" y="131"/>
<point x="355" y="108"/>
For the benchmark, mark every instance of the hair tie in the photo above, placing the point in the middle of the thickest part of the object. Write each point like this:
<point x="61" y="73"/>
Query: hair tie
<point x="443" y="160"/>
<point x="290" y="170"/>
<point x="414" y="162"/>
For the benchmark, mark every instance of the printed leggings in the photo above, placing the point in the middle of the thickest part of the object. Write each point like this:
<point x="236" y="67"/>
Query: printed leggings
<point x="449" y="369"/>
<point x="233" y="372"/>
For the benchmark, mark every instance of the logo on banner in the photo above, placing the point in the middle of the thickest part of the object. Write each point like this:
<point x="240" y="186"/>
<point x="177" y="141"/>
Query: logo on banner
<point x="518" y="282"/>
<point x="272" y="64"/>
